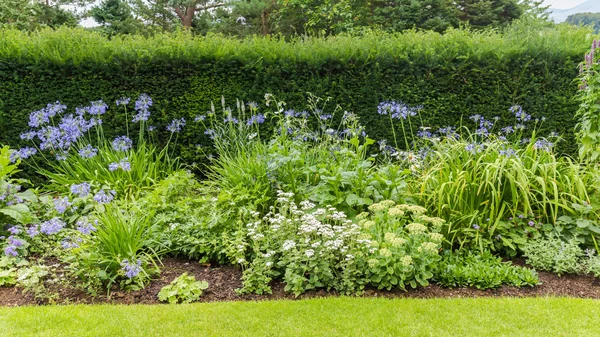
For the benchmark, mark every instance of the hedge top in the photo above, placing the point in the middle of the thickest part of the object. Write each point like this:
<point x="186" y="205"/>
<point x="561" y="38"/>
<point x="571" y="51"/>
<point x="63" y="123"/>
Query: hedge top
<point x="83" y="49"/>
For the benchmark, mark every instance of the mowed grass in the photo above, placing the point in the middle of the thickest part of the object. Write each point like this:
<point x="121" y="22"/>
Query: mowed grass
<point x="315" y="317"/>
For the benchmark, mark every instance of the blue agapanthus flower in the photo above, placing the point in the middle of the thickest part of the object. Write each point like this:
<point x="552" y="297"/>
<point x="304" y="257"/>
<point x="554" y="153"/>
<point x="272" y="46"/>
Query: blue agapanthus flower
<point x="122" y="143"/>
<point x="104" y="197"/>
<point x="81" y="190"/>
<point x="88" y="151"/>
<point x="131" y="269"/>
<point x="176" y="125"/>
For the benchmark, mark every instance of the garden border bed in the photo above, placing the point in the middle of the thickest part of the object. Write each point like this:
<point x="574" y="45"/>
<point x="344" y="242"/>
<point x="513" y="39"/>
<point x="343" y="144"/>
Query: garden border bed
<point x="224" y="280"/>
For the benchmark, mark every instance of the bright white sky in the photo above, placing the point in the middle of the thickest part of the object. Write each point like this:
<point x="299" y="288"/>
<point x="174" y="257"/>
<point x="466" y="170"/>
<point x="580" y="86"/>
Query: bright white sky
<point x="563" y="4"/>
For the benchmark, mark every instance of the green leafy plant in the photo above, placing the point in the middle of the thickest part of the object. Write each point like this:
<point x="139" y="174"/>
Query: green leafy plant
<point x="480" y="270"/>
<point x="406" y="244"/>
<point x="116" y="248"/>
<point x="183" y="289"/>
<point x="554" y="254"/>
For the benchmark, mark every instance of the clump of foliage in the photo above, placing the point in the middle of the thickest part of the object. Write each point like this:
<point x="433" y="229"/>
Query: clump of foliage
<point x="312" y="247"/>
<point x="480" y="270"/>
<point x="75" y="148"/>
<point x="183" y="289"/>
<point x="555" y="255"/>
<point x="477" y="179"/>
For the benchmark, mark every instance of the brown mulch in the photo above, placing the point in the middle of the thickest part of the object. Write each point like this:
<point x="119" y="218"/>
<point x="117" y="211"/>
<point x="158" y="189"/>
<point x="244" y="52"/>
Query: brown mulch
<point x="224" y="280"/>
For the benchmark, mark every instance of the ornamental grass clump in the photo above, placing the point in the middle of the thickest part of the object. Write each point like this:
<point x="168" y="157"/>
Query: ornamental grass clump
<point x="70" y="148"/>
<point x="476" y="179"/>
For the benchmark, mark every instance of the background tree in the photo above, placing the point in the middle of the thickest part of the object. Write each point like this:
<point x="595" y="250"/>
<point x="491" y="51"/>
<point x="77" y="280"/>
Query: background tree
<point x="33" y="14"/>
<point x="585" y="19"/>
<point x="115" y="17"/>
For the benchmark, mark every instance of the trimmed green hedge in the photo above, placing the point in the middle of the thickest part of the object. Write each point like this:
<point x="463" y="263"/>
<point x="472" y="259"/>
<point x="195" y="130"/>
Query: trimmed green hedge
<point x="454" y="75"/>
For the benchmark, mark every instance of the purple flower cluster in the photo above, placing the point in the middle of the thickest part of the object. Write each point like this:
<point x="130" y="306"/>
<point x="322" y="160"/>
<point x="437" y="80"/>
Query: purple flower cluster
<point x="70" y="243"/>
<point x="122" y="143"/>
<point x="519" y="113"/>
<point x="542" y="144"/>
<point x="61" y="205"/>
<point x="22" y="153"/>
<point x="43" y="116"/>
<point x="143" y="103"/>
<point x="199" y="118"/>
<point x="102" y="197"/>
<point x="229" y="119"/>
<point x="210" y="133"/>
<point x="131" y="269"/>
<point x="88" y="151"/>
<point x="85" y="227"/>
<point x="474" y="148"/>
<point x="13" y="244"/>
<point x="123" y="165"/>
<point x="52" y="226"/>
<point x="256" y="119"/>
<point x="397" y="110"/>
<point x="176" y="125"/>
<point x="81" y="190"/>
<point x="8" y="194"/>
<point x="97" y="108"/>
<point x="33" y="231"/>
<point x="123" y="101"/>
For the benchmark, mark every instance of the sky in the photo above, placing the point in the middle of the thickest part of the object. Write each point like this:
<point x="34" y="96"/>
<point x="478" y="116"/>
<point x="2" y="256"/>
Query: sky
<point x="563" y="4"/>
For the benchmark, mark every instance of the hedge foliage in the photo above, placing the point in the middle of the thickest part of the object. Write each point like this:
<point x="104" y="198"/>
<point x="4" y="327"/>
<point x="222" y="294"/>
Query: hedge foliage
<point x="454" y="75"/>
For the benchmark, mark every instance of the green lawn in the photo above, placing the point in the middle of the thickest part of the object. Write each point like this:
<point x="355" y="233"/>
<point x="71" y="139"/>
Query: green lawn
<point x="315" y="317"/>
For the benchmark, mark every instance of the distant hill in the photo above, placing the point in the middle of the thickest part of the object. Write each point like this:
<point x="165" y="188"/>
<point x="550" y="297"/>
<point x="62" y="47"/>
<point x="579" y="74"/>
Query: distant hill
<point x="560" y="15"/>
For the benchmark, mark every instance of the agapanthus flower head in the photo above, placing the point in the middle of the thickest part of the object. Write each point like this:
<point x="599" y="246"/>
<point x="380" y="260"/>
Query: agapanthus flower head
<point x="325" y="117"/>
<point x="124" y="165"/>
<point x="176" y="125"/>
<point x="122" y="143"/>
<point x="123" y="101"/>
<point x="144" y="102"/>
<point x="210" y="132"/>
<point x="62" y="204"/>
<point x="81" y="190"/>
<point x="141" y="116"/>
<point x="53" y="109"/>
<point x="22" y="153"/>
<point x="542" y="144"/>
<point x="52" y="226"/>
<point x="61" y="156"/>
<point x="29" y="135"/>
<point x="131" y="269"/>
<point x="151" y="128"/>
<point x="38" y="118"/>
<point x="256" y="119"/>
<point x="80" y="111"/>
<point x="519" y="113"/>
<point x="97" y="108"/>
<point x="104" y="197"/>
<point x="474" y="148"/>
<point x="88" y="151"/>
<point x="199" y="118"/>
<point x="228" y="119"/>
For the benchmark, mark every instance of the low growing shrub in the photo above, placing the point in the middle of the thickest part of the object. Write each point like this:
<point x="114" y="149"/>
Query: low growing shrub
<point x="480" y="270"/>
<point x="183" y="289"/>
